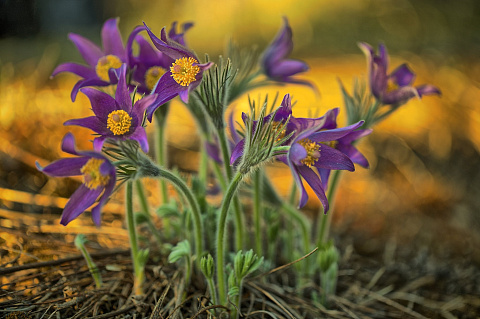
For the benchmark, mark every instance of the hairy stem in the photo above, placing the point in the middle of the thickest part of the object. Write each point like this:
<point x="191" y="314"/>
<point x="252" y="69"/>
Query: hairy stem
<point x="239" y="231"/>
<point x="222" y="223"/>
<point x="138" y="270"/>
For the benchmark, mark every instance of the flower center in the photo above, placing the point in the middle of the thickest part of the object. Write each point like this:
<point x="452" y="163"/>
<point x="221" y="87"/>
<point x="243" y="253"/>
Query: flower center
<point x="183" y="70"/>
<point x="332" y="144"/>
<point x="391" y="86"/>
<point x="119" y="122"/>
<point x="106" y="63"/>
<point x="152" y="76"/>
<point x="277" y="126"/>
<point x="313" y="151"/>
<point x="92" y="178"/>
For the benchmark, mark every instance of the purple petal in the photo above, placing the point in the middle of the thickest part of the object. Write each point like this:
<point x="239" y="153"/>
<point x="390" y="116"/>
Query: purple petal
<point x="355" y="135"/>
<point x="286" y="68"/>
<point x="96" y="211"/>
<point x="324" y="176"/>
<point x="400" y="96"/>
<point x="402" y="75"/>
<point x="213" y="151"/>
<point x="166" y="90"/>
<point x="87" y="82"/>
<point x="91" y="122"/>
<point x="333" y="159"/>
<point x="81" y="199"/>
<point x="298" y="181"/>
<point x="140" y="136"/>
<point x="68" y="144"/>
<point x="233" y="132"/>
<point x="122" y="95"/>
<point x="112" y="40"/>
<point x="314" y="181"/>
<point x="297" y="153"/>
<point x="334" y="134"/>
<point x="89" y="51"/>
<point x="65" y="167"/>
<point x="98" y="143"/>
<point x="428" y="89"/>
<point x="352" y="152"/>
<point x="281" y="47"/>
<point x="170" y="48"/>
<point x="102" y="103"/>
<point x="129" y="47"/>
<point x="78" y="69"/>
<point x="237" y="152"/>
<point x="141" y="105"/>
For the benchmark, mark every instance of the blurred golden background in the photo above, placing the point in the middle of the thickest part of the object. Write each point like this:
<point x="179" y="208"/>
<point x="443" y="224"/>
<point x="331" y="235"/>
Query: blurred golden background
<point x="424" y="179"/>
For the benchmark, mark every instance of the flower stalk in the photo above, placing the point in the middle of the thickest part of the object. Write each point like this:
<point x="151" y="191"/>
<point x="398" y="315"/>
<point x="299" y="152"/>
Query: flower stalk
<point x="220" y="240"/>
<point x="138" y="269"/>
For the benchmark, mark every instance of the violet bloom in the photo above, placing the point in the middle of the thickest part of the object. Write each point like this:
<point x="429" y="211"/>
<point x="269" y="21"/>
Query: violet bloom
<point x="312" y="149"/>
<point x="275" y="63"/>
<point x="99" y="179"/>
<point x="116" y="118"/>
<point x="397" y="87"/>
<point x="183" y="76"/>
<point x="150" y="64"/>
<point x="100" y="62"/>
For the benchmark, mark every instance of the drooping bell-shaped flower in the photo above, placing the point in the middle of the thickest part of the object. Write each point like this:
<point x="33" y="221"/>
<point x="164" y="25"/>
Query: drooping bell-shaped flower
<point x="99" y="178"/>
<point x="397" y="87"/>
<point x="101" y="62"/>
<point x="116" y="118"/>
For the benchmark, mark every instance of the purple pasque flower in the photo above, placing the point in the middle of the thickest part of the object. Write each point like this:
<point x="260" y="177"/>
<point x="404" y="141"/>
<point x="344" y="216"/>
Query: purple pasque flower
<point x="116" y="118"/>
<point x="99" y="179"/>
<point x="397" y="87"/>
<point x="100" y="62"/>
<point x="150" y="64"/>
<point x="183" y="75"/>
<point x="274" y="61"/>
<point x="312" y="149"/>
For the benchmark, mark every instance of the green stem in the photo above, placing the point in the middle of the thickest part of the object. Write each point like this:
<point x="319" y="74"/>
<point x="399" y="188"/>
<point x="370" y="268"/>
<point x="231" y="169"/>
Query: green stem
<point x="257" y="190"/>
<point x="190" y="197"/>
<point x="236" y="203"/>
<point x="325" y="219"/>
<point x="142" y="197"/>
<point x="160" y="153"/>
<point x="213" y="293"/>
<point x="146" y="210"/>
<point x="92" y="267"/>
<point x="302" y="221"/>
<point x="132" y="234"/>
<point x="221" y="179"/>
<point x="222" y="222"/>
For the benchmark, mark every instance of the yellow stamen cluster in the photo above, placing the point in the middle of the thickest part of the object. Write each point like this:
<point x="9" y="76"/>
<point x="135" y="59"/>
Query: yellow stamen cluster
<point x="277" y="126"/>
<point x="92" y="177"/>
<point x="183" y="70"/>
<point x="391" y="86"/>
<point x="119" y="122"/>
<point x="332" y="144"/>
<point x="106" y="63"/>
<point x="152" y="76"/>
<point x="313" y="151"/>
